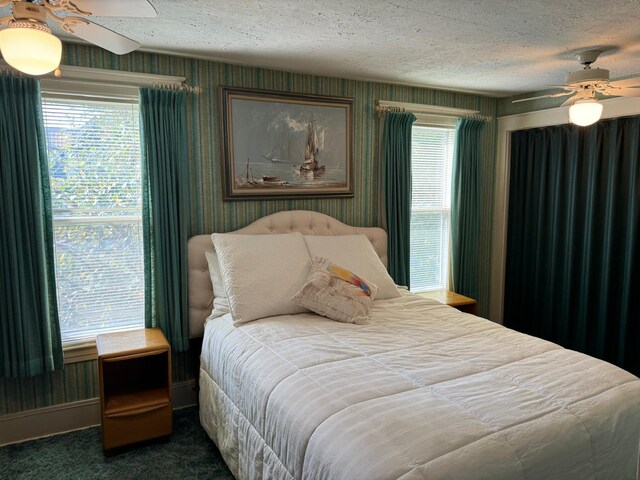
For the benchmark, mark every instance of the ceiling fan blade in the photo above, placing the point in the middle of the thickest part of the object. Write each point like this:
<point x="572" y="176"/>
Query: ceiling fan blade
<point x="626" y="82"/>
<point x="568" y="102"/>
<point x="116" y="8"/>
<point x="564" y="87"/>
<point x="105" y="38"/>
<point x="623" y="92"/>
<point x="550" y="95"/>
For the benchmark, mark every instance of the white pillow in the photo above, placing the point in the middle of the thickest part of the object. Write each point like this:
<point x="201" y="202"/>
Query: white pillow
<point x="220" y="301"/>
<point x="355" y="253"/>
<point x="262" y="273"/>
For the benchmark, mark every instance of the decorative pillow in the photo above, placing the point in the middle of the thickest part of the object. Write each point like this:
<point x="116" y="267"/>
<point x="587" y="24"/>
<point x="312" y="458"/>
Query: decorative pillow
<point x="220" y="301"/>
<point x="261" y="273"/>
<point x="337" y="293"/>
<point x="355" y="253"/>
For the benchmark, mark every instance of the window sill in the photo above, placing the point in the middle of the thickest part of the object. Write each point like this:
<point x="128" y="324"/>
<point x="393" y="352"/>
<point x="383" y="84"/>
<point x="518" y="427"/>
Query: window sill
<point x="80" y="351"/>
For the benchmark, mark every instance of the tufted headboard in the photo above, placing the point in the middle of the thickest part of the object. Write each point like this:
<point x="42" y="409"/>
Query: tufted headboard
<point x="305" y="222"/>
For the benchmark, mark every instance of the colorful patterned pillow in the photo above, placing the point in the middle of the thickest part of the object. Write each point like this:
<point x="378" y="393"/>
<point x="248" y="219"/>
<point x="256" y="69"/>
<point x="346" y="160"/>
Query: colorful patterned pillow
<point x="336" y="293"/>
<point x="355" y="253"/>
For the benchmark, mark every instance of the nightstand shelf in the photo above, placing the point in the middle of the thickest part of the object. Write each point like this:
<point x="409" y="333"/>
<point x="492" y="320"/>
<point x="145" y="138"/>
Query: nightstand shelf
<point x="462" y="303"/>
<point x="135" y="400"/>
<point x="135" y="387"/>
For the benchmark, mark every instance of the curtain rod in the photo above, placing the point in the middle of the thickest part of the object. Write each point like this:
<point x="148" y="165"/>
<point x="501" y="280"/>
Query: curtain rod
<point x="183" y="87"/>
<point x="72" y="75"/>
<point x="385" y="106"/>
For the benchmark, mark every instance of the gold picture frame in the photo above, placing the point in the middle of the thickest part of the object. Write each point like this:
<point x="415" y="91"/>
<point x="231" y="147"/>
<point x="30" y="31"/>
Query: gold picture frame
<point x="285" y="145"/>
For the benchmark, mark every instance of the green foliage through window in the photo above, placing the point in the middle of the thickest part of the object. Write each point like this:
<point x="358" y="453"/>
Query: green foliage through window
<point x="94" y="166"/>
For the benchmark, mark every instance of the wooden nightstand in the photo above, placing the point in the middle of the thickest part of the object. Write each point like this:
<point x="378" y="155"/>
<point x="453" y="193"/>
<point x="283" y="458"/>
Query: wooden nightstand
<point x="462" y="303"/>
<point x="135" y="386"/>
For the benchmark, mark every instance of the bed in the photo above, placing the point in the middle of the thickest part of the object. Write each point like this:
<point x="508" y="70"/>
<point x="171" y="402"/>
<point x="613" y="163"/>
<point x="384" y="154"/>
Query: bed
<point x="421" y="391"/>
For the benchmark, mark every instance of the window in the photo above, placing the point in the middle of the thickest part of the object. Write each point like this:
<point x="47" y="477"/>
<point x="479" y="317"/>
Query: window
<point x="431" y="163"/>
<point x="94" y="166"/>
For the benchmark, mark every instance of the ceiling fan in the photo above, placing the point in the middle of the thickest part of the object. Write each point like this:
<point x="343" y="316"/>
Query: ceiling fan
<point x="588" y="85"/>
<point x="26" y="41"/>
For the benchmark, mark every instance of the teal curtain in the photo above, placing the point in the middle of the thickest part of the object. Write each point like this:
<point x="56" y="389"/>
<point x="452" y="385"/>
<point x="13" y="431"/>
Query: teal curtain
<point x="30" y="341"/>
<point x="165" y="211"/>
<point x="573" y="244"/>
<point x="396" y="181"/>
<point x="465" y="206"/>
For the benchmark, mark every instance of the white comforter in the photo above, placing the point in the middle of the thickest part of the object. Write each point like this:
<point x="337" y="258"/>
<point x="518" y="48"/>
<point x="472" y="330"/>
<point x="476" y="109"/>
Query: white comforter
<point x="422" y="392"/>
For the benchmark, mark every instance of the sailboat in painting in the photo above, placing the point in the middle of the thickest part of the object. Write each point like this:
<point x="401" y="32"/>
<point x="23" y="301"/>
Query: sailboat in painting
<point x="283" y="151"/>
<point x="248" y="180"/>
<point x="305" y="144"/>
<point x="312" y="149"/>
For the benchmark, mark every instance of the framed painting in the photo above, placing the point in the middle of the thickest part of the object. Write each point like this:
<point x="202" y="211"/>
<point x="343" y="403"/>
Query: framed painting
<point x="285" y="145"/>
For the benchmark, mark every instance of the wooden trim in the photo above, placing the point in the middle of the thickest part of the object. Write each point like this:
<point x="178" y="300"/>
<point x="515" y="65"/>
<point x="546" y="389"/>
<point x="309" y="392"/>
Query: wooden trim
<point x="80" y="352"/>
<point x="66" y="417"/>
<point x="43" y="422"/>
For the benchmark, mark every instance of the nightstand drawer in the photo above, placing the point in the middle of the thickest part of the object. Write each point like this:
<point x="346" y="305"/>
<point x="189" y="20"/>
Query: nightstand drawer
<point x="132" y="426"/>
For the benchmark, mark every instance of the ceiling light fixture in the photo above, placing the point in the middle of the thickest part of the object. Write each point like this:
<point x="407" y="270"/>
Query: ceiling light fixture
<point x="585" y="112"/>
<point x="28" y="46"/>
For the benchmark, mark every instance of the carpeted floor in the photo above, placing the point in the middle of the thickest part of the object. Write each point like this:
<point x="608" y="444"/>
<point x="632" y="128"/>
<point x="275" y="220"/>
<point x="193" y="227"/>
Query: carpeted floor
<point x="189" y="454"/>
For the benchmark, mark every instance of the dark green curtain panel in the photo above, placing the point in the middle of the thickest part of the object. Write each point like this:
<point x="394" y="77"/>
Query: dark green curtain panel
<point x="573" y="250"/>
<point x="465" y="206"/>
<point x="30" y="341"/>
<point x="165" y="210"/>
<point x="396" y="181"/>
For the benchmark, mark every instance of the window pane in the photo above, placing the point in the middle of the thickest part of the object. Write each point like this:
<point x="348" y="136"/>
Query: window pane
<point x="429" y="250"/>
<point x="432" y="160"/>
<point x="100" y="277"/>
<point x="94" y="158"/>
<point x="94" y="166"/>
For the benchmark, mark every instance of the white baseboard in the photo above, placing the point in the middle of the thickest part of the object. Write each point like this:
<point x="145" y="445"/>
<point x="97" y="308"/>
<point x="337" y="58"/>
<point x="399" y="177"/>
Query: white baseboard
<point x="47" y="421"/>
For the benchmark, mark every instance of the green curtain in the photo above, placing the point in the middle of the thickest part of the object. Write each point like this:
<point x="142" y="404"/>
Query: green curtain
<point x="30" y="341"/>
<point x="573" y="249"/>
<point x="165" y="210"/>
<point x="465" y="206"/>
<point x="396" y="181"/>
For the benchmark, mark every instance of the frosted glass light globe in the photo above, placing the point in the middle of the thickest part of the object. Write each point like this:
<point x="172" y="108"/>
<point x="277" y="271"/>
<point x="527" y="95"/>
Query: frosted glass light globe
<point x="585" y="112"/>
<point x="31" y="50"/>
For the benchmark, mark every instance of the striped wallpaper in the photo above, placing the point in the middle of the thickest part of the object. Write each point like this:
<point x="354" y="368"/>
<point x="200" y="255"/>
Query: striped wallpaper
<point x="209" y="213"/>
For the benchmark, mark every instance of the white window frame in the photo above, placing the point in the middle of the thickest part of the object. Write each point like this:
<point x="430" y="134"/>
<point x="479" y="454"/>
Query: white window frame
<point x="428" y="116"/>
<point x="81" y="83"/>
<point x="444" y="123"/>
<point x="82" y="216"/>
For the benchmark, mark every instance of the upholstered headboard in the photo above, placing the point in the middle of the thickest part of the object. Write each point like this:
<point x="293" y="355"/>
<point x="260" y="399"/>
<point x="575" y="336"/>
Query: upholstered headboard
<point x="305" y="222"/>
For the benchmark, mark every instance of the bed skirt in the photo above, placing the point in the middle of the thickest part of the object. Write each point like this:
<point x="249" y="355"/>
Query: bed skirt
<point x="244" y="451"/>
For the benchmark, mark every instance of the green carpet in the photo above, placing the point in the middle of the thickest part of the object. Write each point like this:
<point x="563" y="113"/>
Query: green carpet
<point x="189" y="454"/>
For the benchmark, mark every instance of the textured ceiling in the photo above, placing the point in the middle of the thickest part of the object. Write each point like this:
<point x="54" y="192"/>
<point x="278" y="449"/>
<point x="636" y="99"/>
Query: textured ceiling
<point x="499" y="47"/>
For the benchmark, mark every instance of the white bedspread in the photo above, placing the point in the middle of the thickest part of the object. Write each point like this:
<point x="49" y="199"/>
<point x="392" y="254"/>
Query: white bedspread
<point x="422" y="392"/>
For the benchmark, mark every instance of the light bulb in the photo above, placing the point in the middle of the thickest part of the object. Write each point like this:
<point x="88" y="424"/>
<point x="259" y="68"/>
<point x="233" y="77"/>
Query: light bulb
<point x="30" y="47"/>
<point x="585" y="112"/>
